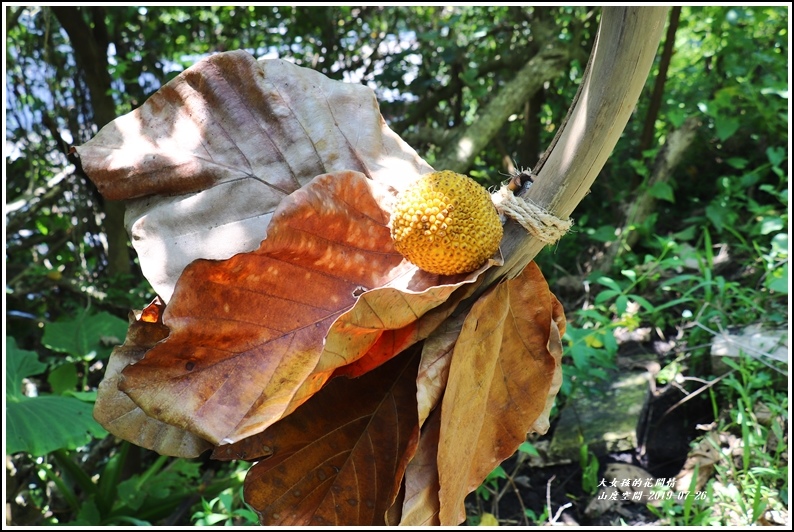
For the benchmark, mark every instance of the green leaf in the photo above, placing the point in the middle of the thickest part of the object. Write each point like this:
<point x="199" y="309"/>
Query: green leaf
<point x="226" y="500"/>
<point x="771" y="224"/>
<point x="88" y="336"/>
<point x="686" y="234"/>
<point x="769" y="189"/>
<point x="156" y="485"/>
<point x="605" y="296"/>
<point x="86" y="397"/>
<point x="88" y="516"/>
<point x="498" y="472"/>
<point x="661" y="190"/>
<point x="737" y="162"/>
<point x="247" y="516"/>
<point x="776" y="155"/>
<point x="725" y="126"/>
<point x="214" y="519"/>
<point x="621" y="304"/>
<point x="528" y="448"/>
<point x="777" y="279"/>
<point x="644" y="303"/>
<point x="605" y="233"/>
<point x="610" y="344"/>
<point x="63" y="378"/>
<point x="719" y="215"/>
<point x="780" y="243"/>
<point x="19" y="364"/>
<point x="43" y="229"/>
<point x="40" y="425"/>
<point x="676" y="117"/>
<point x="131" y="494"/>
<point x="750" y="178"/>
<point x="609" y="283"/>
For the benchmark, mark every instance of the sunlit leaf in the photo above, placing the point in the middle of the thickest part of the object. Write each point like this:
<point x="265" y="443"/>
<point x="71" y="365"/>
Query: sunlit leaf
<point x="256" y="335"/>
<point x="213" y="152"/>
<point x="119" y="414"/>
<point x="499" y="384"/>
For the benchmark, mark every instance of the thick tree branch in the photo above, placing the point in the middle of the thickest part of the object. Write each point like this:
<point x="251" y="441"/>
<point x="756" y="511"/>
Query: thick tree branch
<point x="643" y="204"/>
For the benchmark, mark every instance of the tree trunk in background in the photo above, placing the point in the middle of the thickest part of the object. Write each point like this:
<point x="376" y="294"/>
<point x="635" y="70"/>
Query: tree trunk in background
<point x="90" y="50"/>
<point x="644" y="204"/>
<point x="530" y="150"/>
<point x="658" y="88"/>
<point x="669" y="157"/>
<point x="466" y="144"/>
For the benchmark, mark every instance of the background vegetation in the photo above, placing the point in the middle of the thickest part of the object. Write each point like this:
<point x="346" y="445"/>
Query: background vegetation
<point x="683" y="247"/>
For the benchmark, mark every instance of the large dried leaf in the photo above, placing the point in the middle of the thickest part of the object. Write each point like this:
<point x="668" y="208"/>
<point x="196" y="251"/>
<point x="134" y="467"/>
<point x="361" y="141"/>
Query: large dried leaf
<point x="212" y="153"/>
<point x="499" y="380"/>
<point x="437" y="351"/>
<point x="556" y="332"/>
<point x="115" y="411"/>
<point x="339" y="458"/>
<point x="421" y="505"/>
<point x="248" y="335"/>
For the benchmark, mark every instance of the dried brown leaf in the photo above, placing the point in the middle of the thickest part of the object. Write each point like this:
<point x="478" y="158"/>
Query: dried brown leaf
<point x="499" y="381"/>
<point x="340" y="457"/>
<point x="702" y="459"/>
<point x="556" y="332"/>
<point x="115" y="411"/>
<point x="411" y="315"/>
<point x="205" y="161"/>
<point x="434" y="366"/>
<point x="248" y="335"/>
<point x="421" y="505"/>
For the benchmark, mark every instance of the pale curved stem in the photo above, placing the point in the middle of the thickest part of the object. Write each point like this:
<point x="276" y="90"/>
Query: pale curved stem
<point x="626" y="44"/>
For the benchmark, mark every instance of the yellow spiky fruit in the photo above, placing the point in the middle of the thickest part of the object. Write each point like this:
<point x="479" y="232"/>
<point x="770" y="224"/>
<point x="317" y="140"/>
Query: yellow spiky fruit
<point x="445" y="223"/>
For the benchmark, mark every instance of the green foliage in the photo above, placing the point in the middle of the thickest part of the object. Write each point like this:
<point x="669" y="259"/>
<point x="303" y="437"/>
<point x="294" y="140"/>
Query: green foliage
<point x="228" y="508"/>
<point x="148" y="497"/>
<point x="528" y="448"/>
<point x="589" y="463"/>
<point x="752" y="473"/>
<point x="36" y="424"/>
<point x="537" y="518"/>
<point x="86" y="337"/>
<point x="490" y="485"/>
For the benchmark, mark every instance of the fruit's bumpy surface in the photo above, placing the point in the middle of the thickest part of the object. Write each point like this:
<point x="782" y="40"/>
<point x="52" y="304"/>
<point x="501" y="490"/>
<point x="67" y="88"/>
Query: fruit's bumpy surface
<point x="445" y="223"/>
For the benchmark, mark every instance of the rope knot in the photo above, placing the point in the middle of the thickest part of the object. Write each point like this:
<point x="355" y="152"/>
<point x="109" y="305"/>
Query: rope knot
<point x="538" y="222"/>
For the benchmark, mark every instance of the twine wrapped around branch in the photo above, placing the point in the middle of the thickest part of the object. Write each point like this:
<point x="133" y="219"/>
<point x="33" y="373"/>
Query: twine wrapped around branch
<point x="537" y="221"/>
